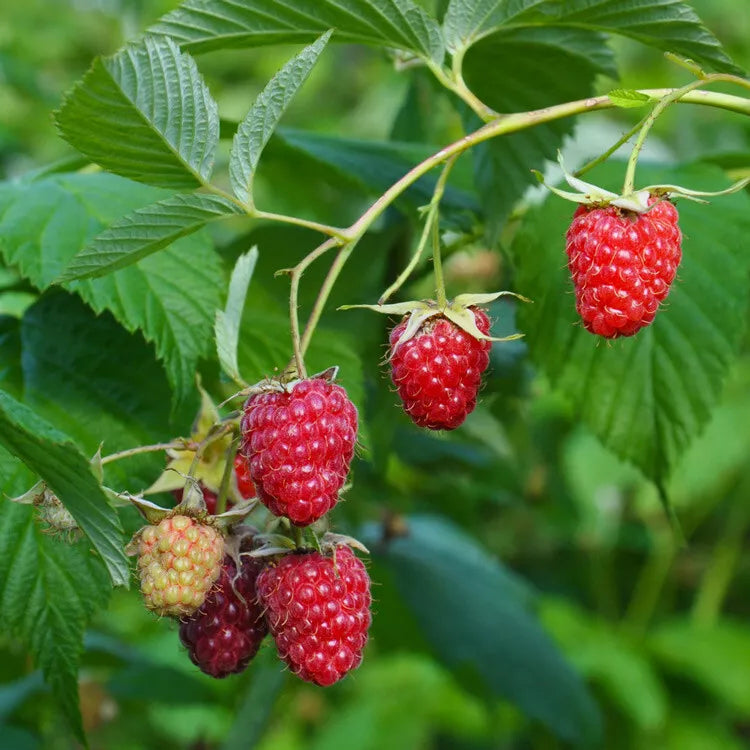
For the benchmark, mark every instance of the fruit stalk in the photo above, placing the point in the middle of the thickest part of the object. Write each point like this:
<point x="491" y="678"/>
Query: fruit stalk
<point x="503" y="125"/>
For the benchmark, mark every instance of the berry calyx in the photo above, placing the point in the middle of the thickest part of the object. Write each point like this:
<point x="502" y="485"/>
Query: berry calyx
<point x="438" y="371"/>
<point x="318" y="611"/>
<point x="622" y="264"/>
<point x="299" y="441"/>
<point x="179" y="559"/>
<point x="226" y="632"/>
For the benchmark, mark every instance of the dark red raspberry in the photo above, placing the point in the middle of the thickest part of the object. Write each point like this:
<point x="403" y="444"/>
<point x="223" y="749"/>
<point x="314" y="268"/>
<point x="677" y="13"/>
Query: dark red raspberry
<point x="318" y="611"/>
<point x="242" y="474"/>
<point x="299" y="444"/>
<point x="438" y="372"/>
<point x="622" y="264"/>
<point x="226" y="632"/>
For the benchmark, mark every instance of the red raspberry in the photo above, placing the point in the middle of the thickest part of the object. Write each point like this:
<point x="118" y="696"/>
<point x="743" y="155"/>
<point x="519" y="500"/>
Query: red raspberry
<point x="225" y="634"/>
<point x="242" y="474"/>
<point x="318" y="611"/>
<point x="299" y="445"/>
<point x="438" y="372"/>
<point x="622" y="264"/>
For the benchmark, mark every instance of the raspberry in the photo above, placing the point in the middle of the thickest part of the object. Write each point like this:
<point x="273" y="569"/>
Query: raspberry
<point x="318" y="612"/>
<point x="242" y="474"/>
<point x="178" y="561"/>
<point x="438" y="371"/>
<point x="299" y="444"/>
<point x="622" y="264"/>
<point x="226" y="632"/>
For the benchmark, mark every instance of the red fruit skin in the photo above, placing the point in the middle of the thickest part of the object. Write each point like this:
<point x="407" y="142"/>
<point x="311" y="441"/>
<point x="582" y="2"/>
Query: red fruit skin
<point x="225" y="633"/>
<point x="242" y="475"/>
<point x="299" y="445"/>
<point x="623" y="265"/>
<point x="318" y="612"/>
<point x="438" y="372"/>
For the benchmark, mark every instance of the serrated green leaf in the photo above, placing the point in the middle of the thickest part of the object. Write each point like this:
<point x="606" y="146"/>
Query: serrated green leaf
<point x="144" y="113"/>
<point x="145" y="231"/>
<point x="647" y="396"/>
<point x="668" y="25"/>
<point x="260" y="122"/>
<point x="37" y="573"/>
<point x="171" y="296"/>
<point x="54" y="457"/>
<point x="74" y="376"/>
<point x="200" y="25"/>
<point x="503" y="165"/>
<point x="49" y="591"/>
<point x="627" y="98"/>
<point x="228" y="321"/>
<point x="501" y="644"/>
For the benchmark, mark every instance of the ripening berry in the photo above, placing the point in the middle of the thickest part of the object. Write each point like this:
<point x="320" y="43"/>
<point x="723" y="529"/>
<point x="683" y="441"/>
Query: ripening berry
<point x="226" y="632"/>
<point x="178" y="561"/>
<point x="623" y="264"/>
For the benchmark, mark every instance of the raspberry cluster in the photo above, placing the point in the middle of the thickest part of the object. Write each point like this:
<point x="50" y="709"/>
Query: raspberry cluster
<point x="226" y="632"/>
<point x="623" y="264"/>
<point x="438" y="371"/>
<point x="299" y="444"/>
<point x="318" y="611"/>
<point x="178" y="560"/>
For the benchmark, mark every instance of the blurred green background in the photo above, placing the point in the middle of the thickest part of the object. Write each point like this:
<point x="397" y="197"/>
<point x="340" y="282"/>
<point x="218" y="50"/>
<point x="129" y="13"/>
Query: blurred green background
<point x="660" y="632"/>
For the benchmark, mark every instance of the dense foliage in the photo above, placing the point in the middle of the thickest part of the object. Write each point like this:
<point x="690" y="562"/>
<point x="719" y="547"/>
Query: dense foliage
<point x="566" y="568"/>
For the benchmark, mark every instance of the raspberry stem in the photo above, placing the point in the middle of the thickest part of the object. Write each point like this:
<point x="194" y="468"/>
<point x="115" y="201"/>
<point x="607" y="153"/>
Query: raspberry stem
<point x="181" y="444"/>
<point x="433" y="214"/>
<point x="221" y="499"/>
<point x="673" y="96"/>
<point x="495" y="126"/>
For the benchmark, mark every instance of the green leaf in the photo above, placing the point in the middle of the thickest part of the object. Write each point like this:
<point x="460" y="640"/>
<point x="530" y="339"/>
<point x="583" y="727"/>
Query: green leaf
<point x="202" y="25"/>
<point x="75" y="375"/>
<point x="260" y="122"/>
<point x="611" y="660"/>
<point x="171" y="297"/>
<point x="375" y="166"/>
<point x="228" y="321"/>
<point x="627" y="98"/>
<point x="144" y="113"/>
<point x="56" y="459"/>
<point x="145" y="231"/>
<point x="668" y="25"/>
<point x="536" y="55"/>
<point x="263" y="688"/>
<point x="49" y="592"/>
<point x="715" y="658"/>
<point x="500" y="642"/>
<point x="648" y="396"/>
